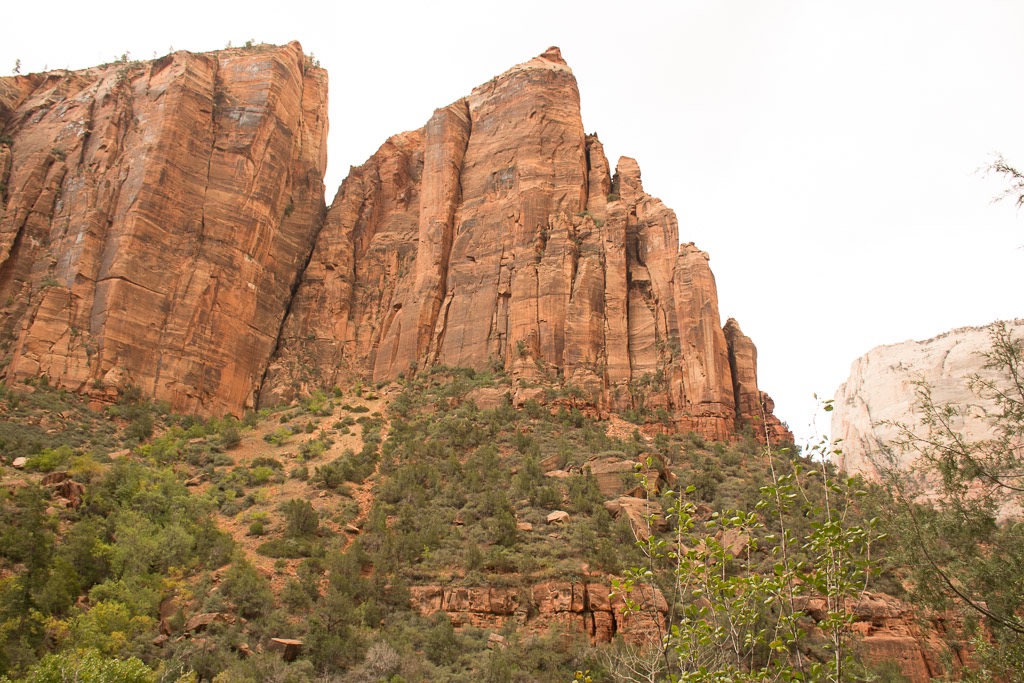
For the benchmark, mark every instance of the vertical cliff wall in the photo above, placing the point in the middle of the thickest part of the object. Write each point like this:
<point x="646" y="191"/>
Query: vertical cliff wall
<point x="156" y="217"/>
<point x="163" y="226"/>
<point x="498" y="236"/>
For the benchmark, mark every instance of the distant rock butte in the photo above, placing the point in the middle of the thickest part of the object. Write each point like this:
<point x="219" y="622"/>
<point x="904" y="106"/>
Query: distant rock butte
<point x="163" y="226"/>
<point x="881" y="390"/>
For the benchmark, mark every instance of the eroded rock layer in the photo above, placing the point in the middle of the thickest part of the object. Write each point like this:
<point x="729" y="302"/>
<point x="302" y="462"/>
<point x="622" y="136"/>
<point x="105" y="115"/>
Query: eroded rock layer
<point x="156" y="217"/>
<point x="498" y="237"/>
<point x="588" y="609"/>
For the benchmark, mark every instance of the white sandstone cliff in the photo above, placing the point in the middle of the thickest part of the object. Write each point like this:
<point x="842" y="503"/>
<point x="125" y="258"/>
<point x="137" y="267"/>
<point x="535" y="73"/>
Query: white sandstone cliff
<point x="882" y="387"/>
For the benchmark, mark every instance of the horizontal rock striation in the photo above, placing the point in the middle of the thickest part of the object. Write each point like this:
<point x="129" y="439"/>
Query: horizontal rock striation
<point x="497" y="236"/>
<point x="155" y="219"/>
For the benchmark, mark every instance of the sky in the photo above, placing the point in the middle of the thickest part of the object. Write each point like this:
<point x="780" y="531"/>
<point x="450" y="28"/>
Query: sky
<point x="827" y="154"/>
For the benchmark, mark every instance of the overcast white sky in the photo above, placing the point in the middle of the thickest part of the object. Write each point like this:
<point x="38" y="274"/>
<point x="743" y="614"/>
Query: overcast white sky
<point x="825" y="153"/>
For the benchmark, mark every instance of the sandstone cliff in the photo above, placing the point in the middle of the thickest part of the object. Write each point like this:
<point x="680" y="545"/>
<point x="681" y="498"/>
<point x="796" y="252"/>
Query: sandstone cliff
<point x="587" y="608"/>
<point x="922" y="645"/>
<point x="163" y="226"/>
<point x="882" y="386"/>
<point x="155" y="219"/>
<point x="498" y="236"/>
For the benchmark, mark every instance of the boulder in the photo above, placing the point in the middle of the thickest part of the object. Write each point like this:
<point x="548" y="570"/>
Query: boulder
<point x="488" y="398"/>
<point x="614" y="475"/>
<point x="289" y="648"/>
<point x="200" y="622"/>
<point x="558" y="517"/>
<point x="54" y="478"/>
<point x="637" y="511"/>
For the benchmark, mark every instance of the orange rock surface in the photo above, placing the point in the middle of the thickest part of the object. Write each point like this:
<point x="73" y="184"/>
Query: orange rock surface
<point x="156" y="217"/>
<point x="575" y="608"/>
<point x="497" y="236"/>
<point x="163" y="227"/>
<point x="925" y="645"/>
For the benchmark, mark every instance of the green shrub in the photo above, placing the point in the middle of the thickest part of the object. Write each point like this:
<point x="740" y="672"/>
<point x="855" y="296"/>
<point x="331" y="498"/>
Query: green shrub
<point x="244" y="586"/>
<point x="301" y="519"/>
<point x="313" y="449"/>
<point x="50" y="459"/>
<point x="290" y="548"/>
<point x="261" y="475"/>
<point x="229" y="433"/>
<point x="279" y="436"/>
<point x="89" y="666"/>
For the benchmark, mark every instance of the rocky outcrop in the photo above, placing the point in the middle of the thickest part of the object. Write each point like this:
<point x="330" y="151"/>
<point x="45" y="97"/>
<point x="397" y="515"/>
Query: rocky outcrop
<point x="925" y="646"/>
<point x="156" y="217"/>
<point x="882" y="390"/>
<point x="755" y="408"/>
<point x="583" y="608"/>
<point x="498" y="237"/>
<point x="884" y="628"/>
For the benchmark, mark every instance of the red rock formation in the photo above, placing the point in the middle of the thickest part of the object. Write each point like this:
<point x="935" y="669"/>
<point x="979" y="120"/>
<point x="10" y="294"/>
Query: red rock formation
<point x="496" y="236"/>
<point x="155" y="219"/>
<point x="925" y="645"/>
<point x="577" y="608"/>
<point x="158" y="218"/>
<point x="755" y="407"/>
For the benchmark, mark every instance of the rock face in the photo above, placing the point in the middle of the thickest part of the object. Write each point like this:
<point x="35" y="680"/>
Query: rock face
<point x="587" y="608"/>
<point x="882" y="388"/>
<point x="925" y="645"/>
<point x="498" y="237"/>
<point x="163" y="227"/>
<point x="156" y="217"/>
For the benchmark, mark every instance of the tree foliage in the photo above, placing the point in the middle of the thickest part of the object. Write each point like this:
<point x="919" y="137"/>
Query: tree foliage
<point x="88" y="666"/>
<point x="738" y="586"/>
<point x="958" y="503"/>
<point x="1014" y="178"/>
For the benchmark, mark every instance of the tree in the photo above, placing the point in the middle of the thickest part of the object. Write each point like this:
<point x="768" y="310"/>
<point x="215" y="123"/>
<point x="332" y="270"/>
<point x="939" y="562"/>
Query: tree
<point x="301" y="519"/>
<point x="26" y="551"/>
<point x="88" y="666"/>
<point x="954" y="506"/>
<point x="737" y="589"/>
<point x="1013" y="176"/>
<point x="26" y="539"/>
<point x="247" y="589"/>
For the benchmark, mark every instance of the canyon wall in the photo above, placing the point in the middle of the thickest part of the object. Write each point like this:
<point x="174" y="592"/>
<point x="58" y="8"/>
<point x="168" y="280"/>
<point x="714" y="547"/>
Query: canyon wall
<point x="163" y="227"/>
<point x="156" y="217"/>
<point x="882" y="390"/>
